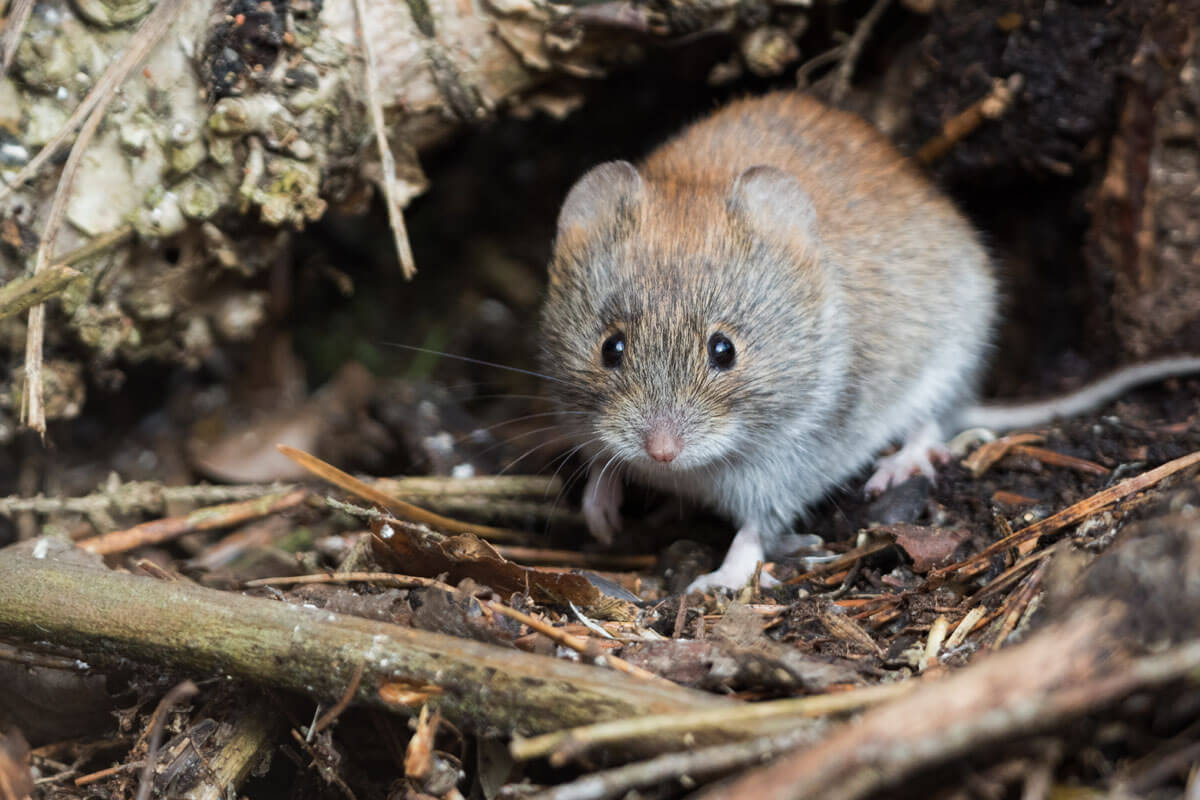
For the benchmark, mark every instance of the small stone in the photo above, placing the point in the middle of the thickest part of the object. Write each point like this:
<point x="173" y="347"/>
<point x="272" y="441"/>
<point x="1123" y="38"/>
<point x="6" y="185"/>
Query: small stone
<point x="901" y="504"/>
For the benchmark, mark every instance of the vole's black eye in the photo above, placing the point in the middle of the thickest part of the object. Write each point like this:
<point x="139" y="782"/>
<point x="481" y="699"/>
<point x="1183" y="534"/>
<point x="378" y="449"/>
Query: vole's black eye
<point x="721" y="354"/>
<point x="612" y="352"/>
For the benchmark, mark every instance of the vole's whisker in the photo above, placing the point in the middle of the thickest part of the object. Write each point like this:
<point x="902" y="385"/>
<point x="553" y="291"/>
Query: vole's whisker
<point x="514" y="420"/>
<point x="477" y="361"/>
<point x="607" y="464"/>
<point x="518" y="436"/>
<point x="565" y="457"/>
<point x="582" y="469"/>
<point x="533" y="450"/>
<point x="570" y="479"/>
<point x="504" y="396"/>
<point x="462" y="389"/>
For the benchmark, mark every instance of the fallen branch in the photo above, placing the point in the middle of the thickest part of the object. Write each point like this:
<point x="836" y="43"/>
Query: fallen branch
<point x="111" y="615"/>
<point x="100" y="244"/>
<point x="133" y="496"/>
<point x="25" y="293"/>
<point x="1062" y="671"/>
<point x="676" y="730"/>
<point x="253" y="733"/>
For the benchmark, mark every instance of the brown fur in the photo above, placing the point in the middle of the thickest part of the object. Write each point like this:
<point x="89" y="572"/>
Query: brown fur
<point x="859" y="300"/>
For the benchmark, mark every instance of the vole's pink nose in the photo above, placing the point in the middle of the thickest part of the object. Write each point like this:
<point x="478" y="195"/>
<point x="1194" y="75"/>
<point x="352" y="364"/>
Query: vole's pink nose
<point x="663" y="445"/>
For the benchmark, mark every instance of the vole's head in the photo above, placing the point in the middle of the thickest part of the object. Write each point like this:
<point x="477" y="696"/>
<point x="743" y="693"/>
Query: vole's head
<point x="684" y="324"/>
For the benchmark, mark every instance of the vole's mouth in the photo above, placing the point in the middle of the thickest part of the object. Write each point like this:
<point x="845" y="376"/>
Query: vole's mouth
<point x="687" y="459"/>
<point x="667" y="450"/>
<point x="667" y="443"/>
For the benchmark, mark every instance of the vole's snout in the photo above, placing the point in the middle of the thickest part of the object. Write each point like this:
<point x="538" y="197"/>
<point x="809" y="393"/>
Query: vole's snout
<point x="663" y="442"/>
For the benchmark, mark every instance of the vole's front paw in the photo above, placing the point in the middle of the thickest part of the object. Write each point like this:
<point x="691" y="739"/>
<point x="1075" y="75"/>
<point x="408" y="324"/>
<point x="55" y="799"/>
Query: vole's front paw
<point x="602" y="505"/>
<point x="745" y="553"/>
<point x="734" y="579"/>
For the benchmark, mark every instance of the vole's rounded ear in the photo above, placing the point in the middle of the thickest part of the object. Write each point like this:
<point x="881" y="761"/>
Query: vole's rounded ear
<point x="773" y="202"/>
<point x="601" y="197"/>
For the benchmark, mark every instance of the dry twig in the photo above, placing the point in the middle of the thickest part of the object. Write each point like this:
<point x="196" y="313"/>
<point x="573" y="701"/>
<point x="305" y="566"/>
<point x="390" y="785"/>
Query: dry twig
<point x="321" y="762"/>
<point x="342" y="704"/>
<point x="1012" y="574"/>
<point x="107" y="772"/>
<point x="478" y="486"/>
<point x="849" y="55"/>
<point x="704" y="762"/>
<point x="404" y="511"/>
<point x="1018" y="602"/>
<point x="177" y="695"/>
<point x="387" y="161"/>
<point x="1073" y="514"/>
<point x="842" y="562"/>
<point x="1056" y="459"/>
<point x="579" y="645"/>
<point x="993" y="106"/>
<point x="988" y="453"/>
<point x="378" y="578"/>
<point x="156" y="25"/>
<point x="574" y="558"/>
<point x="204" y="519"/>
<point x="14" y="26"/>
<point x="24" y="293"/>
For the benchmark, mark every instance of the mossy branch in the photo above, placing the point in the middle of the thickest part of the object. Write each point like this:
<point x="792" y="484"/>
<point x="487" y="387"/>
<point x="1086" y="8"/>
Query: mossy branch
<point x="205" y="631"/>
<point x="25" y="293"/>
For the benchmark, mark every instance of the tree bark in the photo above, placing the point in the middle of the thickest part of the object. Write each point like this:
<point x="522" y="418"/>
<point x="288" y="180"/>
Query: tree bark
<point x="1144" y="243"/>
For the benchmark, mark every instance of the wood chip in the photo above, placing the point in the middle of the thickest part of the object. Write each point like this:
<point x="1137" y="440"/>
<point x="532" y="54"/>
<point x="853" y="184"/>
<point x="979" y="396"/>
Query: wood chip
<point x="987" y="454"/>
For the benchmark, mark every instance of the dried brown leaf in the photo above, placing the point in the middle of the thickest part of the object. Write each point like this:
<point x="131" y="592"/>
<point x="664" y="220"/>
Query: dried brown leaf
<point x="418" y="758"/>
<point x="928" y="547"/>
<point x="422" y="552"/>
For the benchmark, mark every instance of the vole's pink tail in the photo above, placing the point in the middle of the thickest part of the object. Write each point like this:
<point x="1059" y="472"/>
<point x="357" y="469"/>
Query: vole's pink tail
<point x="1024" y="415"/>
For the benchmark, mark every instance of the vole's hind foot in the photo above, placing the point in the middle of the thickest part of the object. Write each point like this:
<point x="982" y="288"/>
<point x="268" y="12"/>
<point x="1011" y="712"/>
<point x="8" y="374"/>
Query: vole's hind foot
<point x="745" y="553"/>
<point x="921" y="451"/>
<point x="602" y="504"/>
<point x="790" y="543"/>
